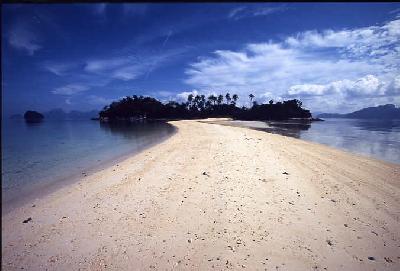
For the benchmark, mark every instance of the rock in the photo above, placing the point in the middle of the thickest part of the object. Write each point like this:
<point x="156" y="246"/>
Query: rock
<point x="387" y="259"/>
<point x="27" y="220"/>
<point x="371" y="258"/>
<point x="285" y="173"/>
<point x="33" y="117"/>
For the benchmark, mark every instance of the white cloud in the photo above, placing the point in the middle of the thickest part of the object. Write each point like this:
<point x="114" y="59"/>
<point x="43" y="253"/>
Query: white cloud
<point x="235" y="11"/>
<point x="346" y="64"/>
<point x="163" y="93"/>
<point x="366" y="86"/>
<point x="97" y="73"/>
<point x="307" y="89"/>
<point x="70" y="89"/>
<point x="59" y="69"/>
<point x="167" y="38"/>
<point x="123" y="68"/>
<point x="184" y="95"/>
<point x="98" y="100"/>
<point x="128" y="73"/>
<point x="22" y="37"/>
<point x="254" y="11"/>
<point x="100" y="65"/>
<point x="397" y="10"/>
<point x="129" y="67"/>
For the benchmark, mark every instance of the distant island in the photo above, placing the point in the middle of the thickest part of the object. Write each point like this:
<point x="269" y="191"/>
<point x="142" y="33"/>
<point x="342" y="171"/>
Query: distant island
<point x="33" y="117"/>
<point x="385" y="112"/>
<point x="140" y="107"/>
<point x="59" y="114"/>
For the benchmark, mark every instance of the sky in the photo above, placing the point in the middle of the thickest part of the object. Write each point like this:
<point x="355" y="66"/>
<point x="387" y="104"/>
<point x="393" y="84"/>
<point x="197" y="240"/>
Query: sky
<point x="334" y="57"/>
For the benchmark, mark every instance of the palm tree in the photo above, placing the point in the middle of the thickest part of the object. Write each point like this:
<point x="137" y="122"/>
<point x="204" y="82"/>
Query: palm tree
<point x="251" y="96"/>
<point x="196" y="102"/>
<point x="190" y="99"/>
<point x="202" y="102"/>
<point x="220" y="99"/>
<point x="228" y="98"/>
<point x="208" y="104"/>
<point x="212" y="99"/>
<point x="235" y="97"/>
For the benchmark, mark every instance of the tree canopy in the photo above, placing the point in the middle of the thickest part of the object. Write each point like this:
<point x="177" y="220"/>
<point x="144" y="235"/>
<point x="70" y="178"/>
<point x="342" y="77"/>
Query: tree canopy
<point x="201" y="107"/>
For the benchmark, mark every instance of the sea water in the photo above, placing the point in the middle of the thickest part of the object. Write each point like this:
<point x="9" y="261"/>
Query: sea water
<point x="379" y="139"/>
<point x="36" y="156"/>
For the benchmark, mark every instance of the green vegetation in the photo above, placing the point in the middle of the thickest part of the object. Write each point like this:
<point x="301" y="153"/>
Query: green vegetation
<point x="136" y="107"/>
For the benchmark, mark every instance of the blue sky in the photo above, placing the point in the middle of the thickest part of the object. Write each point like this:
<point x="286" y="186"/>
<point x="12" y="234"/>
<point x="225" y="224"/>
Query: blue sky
<point x="334" y="57"/>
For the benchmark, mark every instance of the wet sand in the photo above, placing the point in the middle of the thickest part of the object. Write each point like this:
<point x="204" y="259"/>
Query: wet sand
<point x="216" y="197"/>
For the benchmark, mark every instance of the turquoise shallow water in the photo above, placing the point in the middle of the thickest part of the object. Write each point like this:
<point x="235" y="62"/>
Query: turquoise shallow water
<point x="38" y="155"/>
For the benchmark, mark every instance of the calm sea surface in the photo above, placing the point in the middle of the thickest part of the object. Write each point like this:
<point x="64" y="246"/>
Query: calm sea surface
<point x="375" y="138"/>
<point x="35" y="156"/>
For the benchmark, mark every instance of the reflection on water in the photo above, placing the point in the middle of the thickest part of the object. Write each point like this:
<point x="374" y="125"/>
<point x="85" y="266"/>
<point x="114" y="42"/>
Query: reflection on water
<point x="147" y="130"/>
<point x="374" y="138"/>
<point x="379" y="139"/>
<point x="290" y="128"/>
<point x="38" y="153"/>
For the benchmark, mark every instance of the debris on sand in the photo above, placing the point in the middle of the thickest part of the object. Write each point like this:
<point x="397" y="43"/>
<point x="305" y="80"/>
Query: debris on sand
<point x="27" y="220"/>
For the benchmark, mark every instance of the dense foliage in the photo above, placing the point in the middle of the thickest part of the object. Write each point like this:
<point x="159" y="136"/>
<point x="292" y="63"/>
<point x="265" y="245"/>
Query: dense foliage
<point x="201" y="107"/>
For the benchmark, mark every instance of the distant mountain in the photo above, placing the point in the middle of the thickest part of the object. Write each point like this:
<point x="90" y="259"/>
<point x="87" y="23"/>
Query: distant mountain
<point x="331" y="115"/>
<point x="384" y="112"/>
<point x="16" y="117"/>
<point x="59" y="114"/>
<point x="78" y="115"/>
<point x="56" y="114"/>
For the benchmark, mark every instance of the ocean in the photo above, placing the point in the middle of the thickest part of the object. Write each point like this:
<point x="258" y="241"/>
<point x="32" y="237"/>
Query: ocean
<point x="378" y="139"/>
<point x="40" y="155"/>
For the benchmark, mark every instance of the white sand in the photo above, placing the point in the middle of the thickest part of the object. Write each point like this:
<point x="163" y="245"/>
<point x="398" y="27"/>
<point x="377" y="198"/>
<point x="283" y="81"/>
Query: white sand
<point x="157" y="210"/>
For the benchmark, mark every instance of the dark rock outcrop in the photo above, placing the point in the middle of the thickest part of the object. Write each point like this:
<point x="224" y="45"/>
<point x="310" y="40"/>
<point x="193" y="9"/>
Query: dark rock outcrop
<point x="33" y="117"/>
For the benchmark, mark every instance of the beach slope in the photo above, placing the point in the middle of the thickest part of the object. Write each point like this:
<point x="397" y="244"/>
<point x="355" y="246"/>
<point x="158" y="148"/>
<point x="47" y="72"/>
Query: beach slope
<point x="216" y="197"/>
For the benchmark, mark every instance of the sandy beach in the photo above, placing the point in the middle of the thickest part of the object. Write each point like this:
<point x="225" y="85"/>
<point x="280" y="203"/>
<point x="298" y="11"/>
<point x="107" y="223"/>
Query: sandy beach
<point x="216" y="197"/>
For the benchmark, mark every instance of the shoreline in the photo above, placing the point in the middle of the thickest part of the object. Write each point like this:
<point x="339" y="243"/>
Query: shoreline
<point x="265" y="127"/>
<point x="217" y="196"/>
<point x="44" y="188"/>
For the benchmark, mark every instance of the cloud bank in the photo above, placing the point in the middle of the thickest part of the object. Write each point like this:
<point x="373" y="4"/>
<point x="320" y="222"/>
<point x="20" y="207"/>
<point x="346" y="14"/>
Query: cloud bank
<point x="22" y="37"/>
<point x="358" y="66"/>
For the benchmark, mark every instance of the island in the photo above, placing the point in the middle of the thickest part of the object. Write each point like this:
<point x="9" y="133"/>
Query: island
<point x="132" y="108"/>
<point x="384" y="112"/>
<point x="33" y="117"/>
